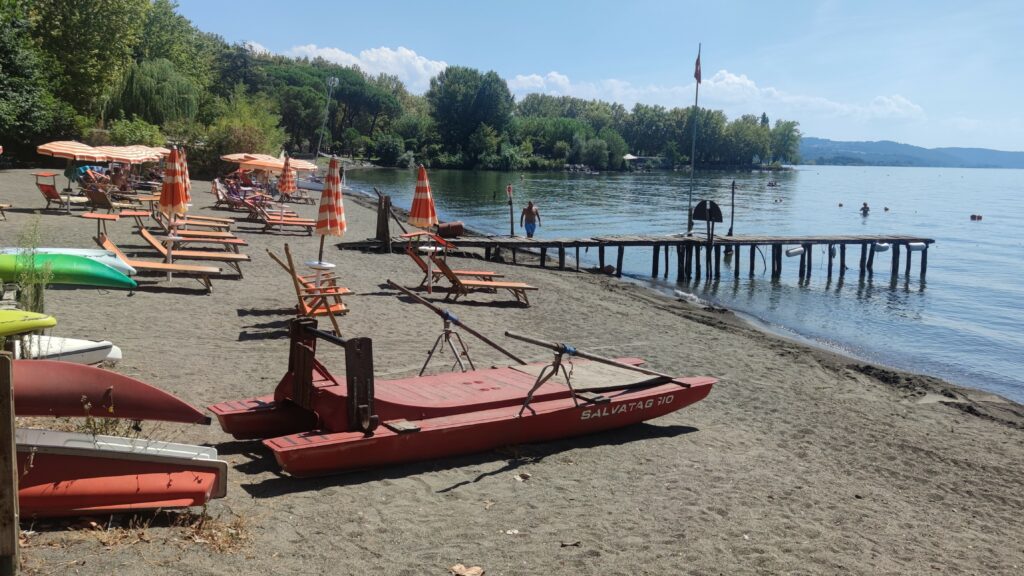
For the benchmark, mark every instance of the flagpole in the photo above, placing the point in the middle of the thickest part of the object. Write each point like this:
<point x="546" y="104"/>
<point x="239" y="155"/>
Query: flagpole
<point x="693" y="147"/>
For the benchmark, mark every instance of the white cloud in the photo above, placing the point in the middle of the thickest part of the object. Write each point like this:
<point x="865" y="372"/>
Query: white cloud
<point x="256" y="47"/>
<point x="413" y="70"/>
<point x="734" y="93"/>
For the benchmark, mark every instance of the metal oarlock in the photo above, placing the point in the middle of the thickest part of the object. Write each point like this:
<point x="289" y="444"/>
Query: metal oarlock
<point x="445" y="338"/>
<point x="544" y="376"/>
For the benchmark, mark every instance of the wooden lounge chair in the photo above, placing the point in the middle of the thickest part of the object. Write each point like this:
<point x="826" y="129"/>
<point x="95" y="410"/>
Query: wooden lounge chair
<point x="226" y="198"/>
<point x="189" y="221"/>
<point x="314" y="300"/>
<point x="201" y="273"/>
<point x="437" y="274"/>
<point x="51" y="194"/>
<point x="462" y="286"/>
<point x="232" y="259"/>
<point x="100" y="200"/>
<point x="279" y="221"/>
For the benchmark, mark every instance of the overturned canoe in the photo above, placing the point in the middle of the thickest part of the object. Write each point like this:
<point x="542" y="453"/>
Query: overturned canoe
<point x="20" y="321"/>
<point x="66" y="269"/>
<point x="39" y="347"/>
<point x="105" y="257"/>
<point x="64" y="389"/>
<point x="70" y="474"/>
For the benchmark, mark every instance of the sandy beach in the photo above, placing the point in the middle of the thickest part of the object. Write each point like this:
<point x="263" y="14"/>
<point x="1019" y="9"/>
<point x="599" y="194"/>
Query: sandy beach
<point x="799" y="462"/>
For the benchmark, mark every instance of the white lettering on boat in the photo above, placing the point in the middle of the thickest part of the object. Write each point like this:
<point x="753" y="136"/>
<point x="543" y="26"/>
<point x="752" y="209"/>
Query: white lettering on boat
<point x="602" y="411"/>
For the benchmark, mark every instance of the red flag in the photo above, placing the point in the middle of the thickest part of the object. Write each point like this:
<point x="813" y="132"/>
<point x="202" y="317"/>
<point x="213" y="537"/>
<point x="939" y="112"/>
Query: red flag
<point x="696" y="69"/>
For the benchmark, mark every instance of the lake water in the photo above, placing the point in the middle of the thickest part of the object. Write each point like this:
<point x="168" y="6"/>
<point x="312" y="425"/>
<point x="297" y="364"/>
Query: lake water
<point x="964" y="324"/>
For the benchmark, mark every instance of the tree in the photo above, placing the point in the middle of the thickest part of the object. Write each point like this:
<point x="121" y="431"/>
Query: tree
<point x="616" y="145"/>
<point x="785" y="141"/>
<point x="462" y="99"/>
<point x="157" y="93"/>
<point x="388" y="149"/>
<point x="90" y="44"/>
<point x="29" y="112"/>
<point x="169" y="35"/>
<point x="136" y="131"/>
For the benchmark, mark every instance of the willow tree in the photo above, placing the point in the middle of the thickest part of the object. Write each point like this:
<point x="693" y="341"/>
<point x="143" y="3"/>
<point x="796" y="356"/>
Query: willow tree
<point x="156" y="92"/>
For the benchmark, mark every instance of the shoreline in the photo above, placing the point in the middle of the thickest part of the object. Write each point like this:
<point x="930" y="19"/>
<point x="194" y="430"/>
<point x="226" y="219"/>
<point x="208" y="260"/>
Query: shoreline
<point x="800" y="460"/>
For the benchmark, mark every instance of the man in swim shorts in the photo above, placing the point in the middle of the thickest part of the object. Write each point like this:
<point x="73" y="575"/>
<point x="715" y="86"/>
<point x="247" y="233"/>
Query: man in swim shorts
<point x="530" y="219"/>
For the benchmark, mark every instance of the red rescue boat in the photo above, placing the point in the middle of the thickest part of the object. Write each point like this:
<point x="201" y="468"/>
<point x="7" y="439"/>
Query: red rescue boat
<point x="316" y="425"/>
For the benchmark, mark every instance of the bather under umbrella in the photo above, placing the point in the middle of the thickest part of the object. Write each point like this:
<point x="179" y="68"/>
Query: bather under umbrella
<point x="331" y="219"/>
<point x="422" y="214"/>
<point x="73" y="152"/>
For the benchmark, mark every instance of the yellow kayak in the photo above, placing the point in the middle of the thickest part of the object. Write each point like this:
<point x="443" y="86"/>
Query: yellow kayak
<point x="18" y="321"/>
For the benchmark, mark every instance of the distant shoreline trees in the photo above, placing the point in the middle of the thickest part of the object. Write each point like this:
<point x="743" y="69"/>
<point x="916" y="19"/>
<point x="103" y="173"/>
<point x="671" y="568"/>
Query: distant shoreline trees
<point x="160" y="75"/>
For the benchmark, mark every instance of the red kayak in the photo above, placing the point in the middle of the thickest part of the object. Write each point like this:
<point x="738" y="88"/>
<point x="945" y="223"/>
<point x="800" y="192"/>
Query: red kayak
<point x="70" y="474"/>
<point x="65" y="389"/>
<point x="315" y="425"/>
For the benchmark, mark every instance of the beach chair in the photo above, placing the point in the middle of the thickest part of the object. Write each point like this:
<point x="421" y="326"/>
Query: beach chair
<point x="100" y="200"/>
<point x="315" y="300"/>
<point x="463" y="286"/>
<point x="277" y="220"/>
<point x="49" y="191"/>
<point x="437" y="274"/>
<point x="191" y="222"/>
<point x="232" y="259"/>
<point x="201" y="273"/>
<point x="225" y="197"/>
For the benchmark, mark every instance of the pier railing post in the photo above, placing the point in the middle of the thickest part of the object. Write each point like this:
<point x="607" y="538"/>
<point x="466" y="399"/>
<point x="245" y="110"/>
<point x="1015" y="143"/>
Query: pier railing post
<point x="809" y="250"/>
<point x="750" y="265"/>
<point x="830" y="258"/>
<point x="618" y="261"/>
<point x="654" y="260"/>
<point x="679" y="263"/>
<point x="736" y="262"/>
<point x="842" y="260"/>
<point x="924" y="261"/>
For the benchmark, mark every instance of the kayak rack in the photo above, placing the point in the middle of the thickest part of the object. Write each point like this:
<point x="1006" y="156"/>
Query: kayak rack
<point x="302" y="361"/>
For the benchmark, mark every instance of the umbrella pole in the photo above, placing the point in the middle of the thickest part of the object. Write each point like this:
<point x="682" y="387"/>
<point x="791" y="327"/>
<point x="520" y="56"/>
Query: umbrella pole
<point x="320" y="256"/>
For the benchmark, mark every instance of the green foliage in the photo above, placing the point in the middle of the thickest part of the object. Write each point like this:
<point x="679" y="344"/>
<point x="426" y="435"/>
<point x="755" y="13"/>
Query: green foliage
<point x="785" y="141"/>
<point x="389" y="149"/>
<point x="31" y="279"/>
<point x="29" y="112"/>
<point x="157" y="93"/>
<point x="136" y="131"/>
<point x="248" y="124"/>
<point x="462" y="99"/>
<point x="89" y="44"/>
<point x="169" y="35"/>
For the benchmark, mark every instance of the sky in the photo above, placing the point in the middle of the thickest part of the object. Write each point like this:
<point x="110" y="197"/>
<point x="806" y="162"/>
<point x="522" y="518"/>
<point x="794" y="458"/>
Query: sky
<point x="929" y="73"/>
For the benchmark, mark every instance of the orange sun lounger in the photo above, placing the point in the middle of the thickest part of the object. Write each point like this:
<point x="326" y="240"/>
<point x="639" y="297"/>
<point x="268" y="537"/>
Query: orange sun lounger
<point x="463" y="286"/>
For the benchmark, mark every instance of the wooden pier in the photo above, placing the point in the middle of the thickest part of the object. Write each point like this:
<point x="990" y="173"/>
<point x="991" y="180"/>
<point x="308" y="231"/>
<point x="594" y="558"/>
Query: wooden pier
<point x="694" y="254"/>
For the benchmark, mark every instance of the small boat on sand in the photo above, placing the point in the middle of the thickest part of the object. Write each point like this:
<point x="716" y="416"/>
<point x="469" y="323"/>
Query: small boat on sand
<point x="71" y="473"/>
<point x="39" y="347"/>
<point x="315" y="424"/>
<point x="66" y="269"/>
<point x="20" y="321"/>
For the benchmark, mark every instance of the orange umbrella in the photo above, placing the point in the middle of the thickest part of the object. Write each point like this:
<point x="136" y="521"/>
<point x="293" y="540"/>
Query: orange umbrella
<point x="72" y="151"/>
<point x="173" y="197"/>
<point x="286" y="183"/>
<point x="422" y="214"/>
<point x="331" y="219"/>
<point x="183" y="168"/>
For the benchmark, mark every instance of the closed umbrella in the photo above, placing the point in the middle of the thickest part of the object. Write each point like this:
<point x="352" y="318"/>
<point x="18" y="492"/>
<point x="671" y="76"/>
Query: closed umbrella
<point x="286" y="183"/>
<point x="422" y="214"/>
<point x="183" y="164"/>
<point x="173" y="199"/>
<point x="331" y="219"/>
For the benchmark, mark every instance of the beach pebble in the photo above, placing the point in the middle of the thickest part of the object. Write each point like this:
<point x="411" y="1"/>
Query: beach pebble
<point x="462" y="570"/>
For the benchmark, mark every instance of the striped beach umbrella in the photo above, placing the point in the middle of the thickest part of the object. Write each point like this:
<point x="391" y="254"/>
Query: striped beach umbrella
<point x="173" y="199"/>
<point x="129" y="154"/>
<point x="72" y="151"/>
<point x="286" y="183"/>
<point x="331" y="219"/>
<point x="183" y="168"/>
<point x="422" y="214"/>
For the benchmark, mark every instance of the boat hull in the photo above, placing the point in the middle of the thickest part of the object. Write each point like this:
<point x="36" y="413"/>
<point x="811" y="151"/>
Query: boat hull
<point x="19" y="321"/>
<point x="70" y="474"/>
<point x="105" y="257"/>
<point x="316" y="453"/>
<point x="67" y="269"/>
<point x="63" y="389"/>
<point x="90" y="352"/>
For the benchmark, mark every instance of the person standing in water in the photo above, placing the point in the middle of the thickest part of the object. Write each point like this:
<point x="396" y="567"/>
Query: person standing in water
<point x="864" y="209"/>
<point x="530" y="219"/>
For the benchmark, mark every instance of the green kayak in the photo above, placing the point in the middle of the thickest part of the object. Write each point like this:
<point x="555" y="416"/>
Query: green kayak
<point x="68" y="269"/>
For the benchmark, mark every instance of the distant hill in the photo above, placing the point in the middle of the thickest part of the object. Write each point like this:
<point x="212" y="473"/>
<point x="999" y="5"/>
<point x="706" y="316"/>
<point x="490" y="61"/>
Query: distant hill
<point x="887" y="153"/>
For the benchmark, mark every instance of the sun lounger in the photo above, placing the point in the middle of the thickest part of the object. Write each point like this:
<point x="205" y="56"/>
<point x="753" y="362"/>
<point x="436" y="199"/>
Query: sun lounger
<point x="232" y="259"/>
<point x="49" y="191"/>
<point x="437" y="274"/>
<point x="463" y="286"/>
<point x="191" y="222"/>
<point x="201" y="273"/>
<point x="276" y="220"/>
<point x="315" y="300"/>
<point x="100" y="199"/>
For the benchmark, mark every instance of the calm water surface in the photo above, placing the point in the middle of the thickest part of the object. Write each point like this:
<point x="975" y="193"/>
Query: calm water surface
<point x="964" y="324"/>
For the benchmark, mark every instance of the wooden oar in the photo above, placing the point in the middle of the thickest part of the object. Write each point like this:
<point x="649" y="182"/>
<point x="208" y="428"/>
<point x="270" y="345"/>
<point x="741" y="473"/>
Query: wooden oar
<point x="568" y="349"/>
<point x="454" y="320"/>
